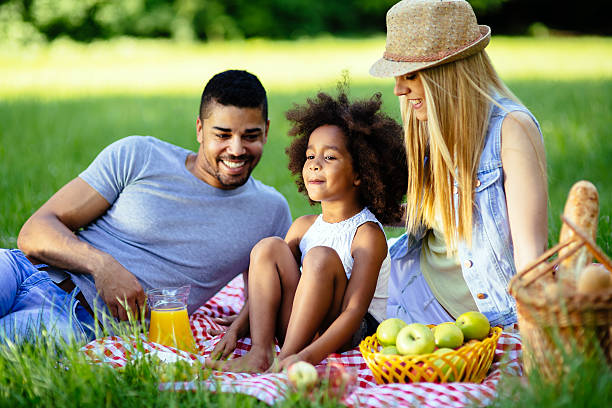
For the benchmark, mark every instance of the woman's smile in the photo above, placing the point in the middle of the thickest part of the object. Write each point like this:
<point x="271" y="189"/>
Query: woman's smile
<point x="416" y="103"/>
<point x="411" y="87"/>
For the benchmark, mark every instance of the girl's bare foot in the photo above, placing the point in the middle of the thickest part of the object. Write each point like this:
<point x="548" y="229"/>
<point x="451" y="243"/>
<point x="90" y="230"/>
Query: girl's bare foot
<point x="257" y="360"/>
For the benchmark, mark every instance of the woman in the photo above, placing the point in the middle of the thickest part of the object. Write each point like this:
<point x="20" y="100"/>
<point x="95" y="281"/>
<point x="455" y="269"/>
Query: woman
<point x="477" y="192"/>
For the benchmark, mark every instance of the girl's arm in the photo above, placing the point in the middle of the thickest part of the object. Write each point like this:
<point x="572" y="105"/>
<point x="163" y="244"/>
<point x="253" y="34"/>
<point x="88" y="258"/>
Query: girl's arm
<point x="369" y="249"/>
<point x="524" y="165"/>
<point x="296" y="232"/>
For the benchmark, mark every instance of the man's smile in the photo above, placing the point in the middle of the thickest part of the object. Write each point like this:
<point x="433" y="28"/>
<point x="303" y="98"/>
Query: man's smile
<point x="233" y="164"/>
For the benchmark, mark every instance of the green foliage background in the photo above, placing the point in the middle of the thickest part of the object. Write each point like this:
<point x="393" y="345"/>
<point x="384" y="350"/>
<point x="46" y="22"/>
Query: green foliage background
<point x="24" y="21"/>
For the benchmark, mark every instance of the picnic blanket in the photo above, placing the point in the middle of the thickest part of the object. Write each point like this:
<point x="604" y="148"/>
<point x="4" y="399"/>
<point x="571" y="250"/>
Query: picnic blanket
<point x="272" y="388"/>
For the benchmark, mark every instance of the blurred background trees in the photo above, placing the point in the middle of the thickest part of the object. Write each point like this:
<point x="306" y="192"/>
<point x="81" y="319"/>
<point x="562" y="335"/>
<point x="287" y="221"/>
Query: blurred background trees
<point x="25" y="21"/>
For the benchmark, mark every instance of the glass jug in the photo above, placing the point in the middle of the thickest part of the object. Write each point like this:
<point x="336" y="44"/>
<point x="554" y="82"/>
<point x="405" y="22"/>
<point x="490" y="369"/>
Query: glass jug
<point x="169" y="323"/>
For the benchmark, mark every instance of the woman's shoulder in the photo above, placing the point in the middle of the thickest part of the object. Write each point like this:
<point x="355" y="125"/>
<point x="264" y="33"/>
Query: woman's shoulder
<point x="521" y="140"/>
<point x="506" y="109"/>
<point x="519" y="121"/>
<point x="509" y="122"/>
<point x="519" y="131"/>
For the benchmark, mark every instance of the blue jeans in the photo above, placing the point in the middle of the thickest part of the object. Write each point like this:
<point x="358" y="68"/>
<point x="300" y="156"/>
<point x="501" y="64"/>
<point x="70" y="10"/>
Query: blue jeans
<point x="31" y="304"/>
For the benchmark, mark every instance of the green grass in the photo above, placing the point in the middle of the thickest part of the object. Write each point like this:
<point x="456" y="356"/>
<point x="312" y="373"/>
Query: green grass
<point x="60" y="105"/>
<point x="44" y="143"/>
<point x="40" y="375"/>
<point x="49" y="374"/>
<point x="586" y="381"/>
<point x="122" y="66"/>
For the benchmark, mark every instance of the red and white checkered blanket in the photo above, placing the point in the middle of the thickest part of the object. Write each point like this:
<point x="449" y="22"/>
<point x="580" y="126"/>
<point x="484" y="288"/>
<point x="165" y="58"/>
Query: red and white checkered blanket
<point x="271" y="388"/>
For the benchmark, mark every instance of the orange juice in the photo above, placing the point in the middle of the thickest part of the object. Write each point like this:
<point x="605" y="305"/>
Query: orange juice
<point x="170" y="327"/>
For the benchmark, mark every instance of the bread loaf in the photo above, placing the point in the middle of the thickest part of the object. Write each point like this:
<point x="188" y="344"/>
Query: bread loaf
<point x="582" y="208"/>
<point x="594" y="278"/>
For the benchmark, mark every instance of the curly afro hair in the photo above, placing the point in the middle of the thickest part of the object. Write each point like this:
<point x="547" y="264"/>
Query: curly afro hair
<point x="374" y="140"/>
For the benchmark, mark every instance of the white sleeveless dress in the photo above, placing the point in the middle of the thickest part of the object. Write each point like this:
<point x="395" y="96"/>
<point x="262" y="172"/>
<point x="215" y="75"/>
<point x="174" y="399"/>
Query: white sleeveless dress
<point x="339" y="236"/>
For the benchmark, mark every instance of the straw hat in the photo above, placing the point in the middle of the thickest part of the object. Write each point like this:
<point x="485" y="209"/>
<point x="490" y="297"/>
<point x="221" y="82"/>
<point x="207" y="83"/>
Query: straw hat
<point x="426" y="33"/>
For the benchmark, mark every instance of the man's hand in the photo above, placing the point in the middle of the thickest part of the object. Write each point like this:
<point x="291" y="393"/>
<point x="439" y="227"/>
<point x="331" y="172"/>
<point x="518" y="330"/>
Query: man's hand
<point x="118" y="288"/>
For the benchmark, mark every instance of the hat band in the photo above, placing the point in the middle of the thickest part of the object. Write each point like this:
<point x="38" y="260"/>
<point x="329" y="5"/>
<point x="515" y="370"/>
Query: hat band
<point x="428" y="58"/>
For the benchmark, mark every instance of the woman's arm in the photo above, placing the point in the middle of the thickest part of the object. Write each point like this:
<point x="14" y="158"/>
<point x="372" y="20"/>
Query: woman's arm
<point x="525" y="183"/>
<point x="369" y="249"/>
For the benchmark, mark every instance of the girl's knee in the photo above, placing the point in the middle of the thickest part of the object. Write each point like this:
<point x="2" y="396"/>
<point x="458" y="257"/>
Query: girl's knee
<point x="267" y="248"/>
<point x="322" y="260"/>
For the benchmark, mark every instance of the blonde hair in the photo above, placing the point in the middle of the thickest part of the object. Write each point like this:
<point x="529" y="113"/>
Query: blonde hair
<point x="458" y="97"/>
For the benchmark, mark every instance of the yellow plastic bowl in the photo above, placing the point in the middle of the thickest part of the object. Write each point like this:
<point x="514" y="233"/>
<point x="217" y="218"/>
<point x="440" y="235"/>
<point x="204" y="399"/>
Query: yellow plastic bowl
<point x="469" y="363"/>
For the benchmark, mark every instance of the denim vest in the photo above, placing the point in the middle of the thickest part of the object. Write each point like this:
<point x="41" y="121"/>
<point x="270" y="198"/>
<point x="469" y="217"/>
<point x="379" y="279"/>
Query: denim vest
<point x="488" y="265"/>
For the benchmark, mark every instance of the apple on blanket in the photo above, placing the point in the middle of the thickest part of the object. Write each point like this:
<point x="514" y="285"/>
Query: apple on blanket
<point x="333" y="379"/>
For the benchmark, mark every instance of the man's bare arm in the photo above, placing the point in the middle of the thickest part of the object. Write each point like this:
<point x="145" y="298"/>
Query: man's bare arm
<point x="49" y="236"/>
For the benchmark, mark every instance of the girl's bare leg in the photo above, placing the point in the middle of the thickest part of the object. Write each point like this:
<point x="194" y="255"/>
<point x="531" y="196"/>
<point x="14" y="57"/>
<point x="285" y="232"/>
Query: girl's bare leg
<point x="273" y="279"/>
<point x="318" y="299"/>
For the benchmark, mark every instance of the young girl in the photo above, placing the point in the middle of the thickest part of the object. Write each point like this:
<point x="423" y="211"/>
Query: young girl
<point x="319" y="290"/>
<point x="477" y="189"/>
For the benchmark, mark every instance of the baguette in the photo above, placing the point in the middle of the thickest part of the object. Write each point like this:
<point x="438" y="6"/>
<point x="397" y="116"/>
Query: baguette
<point x="582" y="208"/>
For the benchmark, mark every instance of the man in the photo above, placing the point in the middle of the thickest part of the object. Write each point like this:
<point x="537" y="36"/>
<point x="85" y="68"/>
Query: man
<point x="147" y="214"/>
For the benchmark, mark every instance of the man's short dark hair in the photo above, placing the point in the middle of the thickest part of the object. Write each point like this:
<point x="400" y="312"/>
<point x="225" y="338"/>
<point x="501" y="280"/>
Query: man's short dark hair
<point x="234" y="88"/>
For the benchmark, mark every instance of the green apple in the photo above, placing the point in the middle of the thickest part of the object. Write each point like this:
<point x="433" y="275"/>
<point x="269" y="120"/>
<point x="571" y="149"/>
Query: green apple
<point x="389" y="350"/>
<point x="474" y="325"/>
<point x="302" y="375"/>
<point x="415" y="338"/>
<point x="448" y="335"/>
<point x="457" y="361"/>
<point x="387" y="330"/>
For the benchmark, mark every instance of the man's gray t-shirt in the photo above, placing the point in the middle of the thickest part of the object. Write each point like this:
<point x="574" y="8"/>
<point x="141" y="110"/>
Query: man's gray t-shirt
<point x="170" y="228"/>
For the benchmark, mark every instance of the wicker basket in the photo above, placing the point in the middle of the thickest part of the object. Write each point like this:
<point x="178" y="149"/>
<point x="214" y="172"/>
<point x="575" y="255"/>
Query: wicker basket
<point x="552" y="330"/>
<point x="469" y="363"/>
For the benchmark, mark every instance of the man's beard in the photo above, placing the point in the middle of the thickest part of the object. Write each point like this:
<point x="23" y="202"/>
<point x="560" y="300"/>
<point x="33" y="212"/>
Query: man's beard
<point x="235" y="181"/>
<point x="232" y="182"/>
